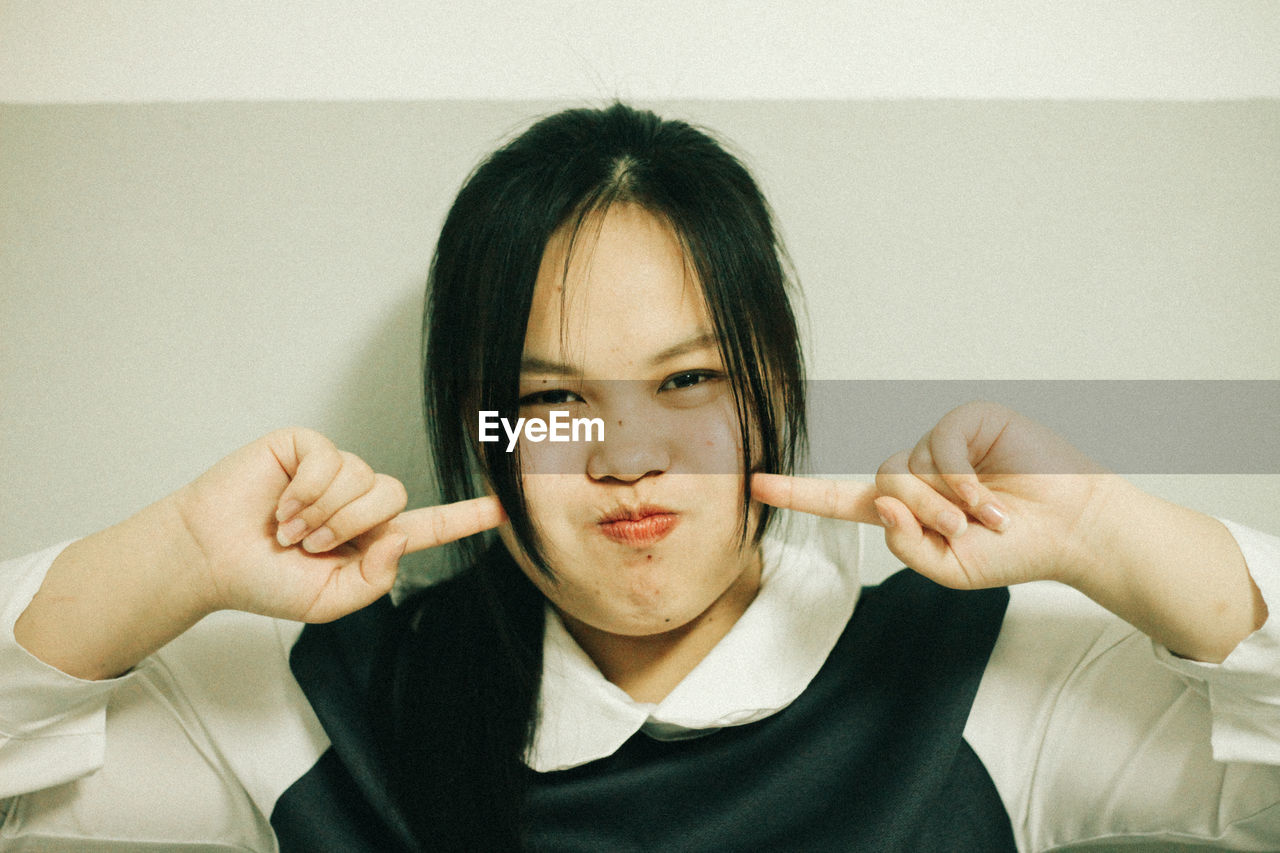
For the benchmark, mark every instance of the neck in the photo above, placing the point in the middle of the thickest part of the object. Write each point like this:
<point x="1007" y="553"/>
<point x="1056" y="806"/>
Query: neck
<point x="649" y="667"/>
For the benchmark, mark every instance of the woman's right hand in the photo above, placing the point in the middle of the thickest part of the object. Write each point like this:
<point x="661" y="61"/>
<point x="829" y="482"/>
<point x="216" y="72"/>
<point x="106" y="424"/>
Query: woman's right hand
<point x="292" y="527"/>
<point x="288" y="526"/>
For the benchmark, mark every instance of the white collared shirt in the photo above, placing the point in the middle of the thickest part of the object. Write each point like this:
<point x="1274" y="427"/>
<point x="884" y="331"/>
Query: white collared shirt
<point x="808" y="589"/>
<point x="1085" y="731"/>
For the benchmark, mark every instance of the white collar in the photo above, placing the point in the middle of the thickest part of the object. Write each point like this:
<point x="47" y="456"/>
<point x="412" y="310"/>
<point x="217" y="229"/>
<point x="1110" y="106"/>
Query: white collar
<point x="809" y="585"/>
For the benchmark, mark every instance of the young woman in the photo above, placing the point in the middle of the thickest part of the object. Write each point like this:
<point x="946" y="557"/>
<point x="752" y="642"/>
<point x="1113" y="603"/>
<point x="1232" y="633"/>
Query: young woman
<point x="641" y="656"/>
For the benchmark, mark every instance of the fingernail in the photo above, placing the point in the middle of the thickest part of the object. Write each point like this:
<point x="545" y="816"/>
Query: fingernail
<point x="321" y="540"/>
<point x="290" y="532"/>
<point x="288" y="510"/>
<point x="951" y="523"/>
<point x="968" y="493"/>
<point x="885" y="518"/>
<point x="992" y="517"/>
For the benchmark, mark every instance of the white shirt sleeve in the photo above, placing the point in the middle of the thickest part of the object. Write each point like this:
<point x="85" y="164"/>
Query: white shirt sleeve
<point x="190" y="750"/>
<point x="1244" y="690"/>
<point x="1088" y="735"/>
<point x="51" y="724"/>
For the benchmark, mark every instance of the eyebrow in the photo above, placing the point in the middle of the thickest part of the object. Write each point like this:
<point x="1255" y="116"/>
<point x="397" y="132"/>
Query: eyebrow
<point x="704" y="340"/>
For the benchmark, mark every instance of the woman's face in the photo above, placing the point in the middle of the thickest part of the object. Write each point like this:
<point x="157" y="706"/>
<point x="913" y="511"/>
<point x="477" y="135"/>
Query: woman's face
<point x="641" y="529"/>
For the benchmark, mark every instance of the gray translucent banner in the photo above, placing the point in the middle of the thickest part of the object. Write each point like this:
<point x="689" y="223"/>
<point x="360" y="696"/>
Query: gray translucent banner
<point x="1127" y="426"/>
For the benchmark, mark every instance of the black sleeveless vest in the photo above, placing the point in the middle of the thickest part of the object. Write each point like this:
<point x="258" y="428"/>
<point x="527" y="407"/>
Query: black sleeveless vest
<point x="869" y="758"/>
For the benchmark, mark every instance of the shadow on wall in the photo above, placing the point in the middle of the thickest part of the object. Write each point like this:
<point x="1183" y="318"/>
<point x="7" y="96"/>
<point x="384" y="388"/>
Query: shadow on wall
<point x="376" y="412"/>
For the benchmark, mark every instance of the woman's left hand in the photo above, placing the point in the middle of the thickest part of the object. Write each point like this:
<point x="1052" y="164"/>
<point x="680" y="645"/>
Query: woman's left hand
<point x="986" y="498"/>
<point x="991" y="498"/>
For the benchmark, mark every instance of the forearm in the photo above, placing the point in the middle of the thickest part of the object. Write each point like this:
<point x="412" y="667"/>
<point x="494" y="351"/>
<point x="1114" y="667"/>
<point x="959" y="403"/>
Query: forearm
<point x="1174" y="573"/>
<point x="113" y="598"/>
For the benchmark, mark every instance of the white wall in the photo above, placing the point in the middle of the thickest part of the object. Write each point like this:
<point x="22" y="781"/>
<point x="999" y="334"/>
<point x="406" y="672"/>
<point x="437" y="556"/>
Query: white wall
<point x="149" y="50"/>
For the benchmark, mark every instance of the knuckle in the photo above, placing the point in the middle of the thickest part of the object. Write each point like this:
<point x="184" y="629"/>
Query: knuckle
<point x="307" y="488"/>
<point x="314" y="516"/>
<point x="395" y="490"/>
<point x="341" y="529"/>
<point x="355" y="462"/>
<point x="316" y="472"/>
<point x="358" y="470"/>
<point x="327" y="452"/>
<point x="895" y="464"/>
<point x="941" y="436"/>
<point x="921" y="460"/>
<point x="882" y="478"/>
<point x="310" y="444"/>
<point x="280" y="436"/>
<point x="975" y="411"/>
<point x="439" y="526"/>
<point x="319" y="438"/>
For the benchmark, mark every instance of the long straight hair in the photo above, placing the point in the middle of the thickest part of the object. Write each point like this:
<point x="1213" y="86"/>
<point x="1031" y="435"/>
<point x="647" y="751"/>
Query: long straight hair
<point x="462" y="670"/>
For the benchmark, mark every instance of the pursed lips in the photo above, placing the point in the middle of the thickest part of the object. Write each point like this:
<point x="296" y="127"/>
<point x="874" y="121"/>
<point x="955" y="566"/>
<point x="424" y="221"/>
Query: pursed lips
<point x="638" y="527"/>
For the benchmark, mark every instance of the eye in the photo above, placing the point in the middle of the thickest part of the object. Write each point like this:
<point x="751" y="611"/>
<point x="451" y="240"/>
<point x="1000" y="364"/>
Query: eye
<point x="689" y="379"/>
<point x="551" y="397"/>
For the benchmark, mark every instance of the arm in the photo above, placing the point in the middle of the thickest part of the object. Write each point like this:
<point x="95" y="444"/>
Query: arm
<point x="1087" y="736"/>
<point x="142" y="565"/>
<point x="193" y="744"/>
<point x="1175" y="574"/>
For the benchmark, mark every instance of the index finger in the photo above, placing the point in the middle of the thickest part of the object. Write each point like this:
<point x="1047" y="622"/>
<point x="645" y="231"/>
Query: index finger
<point x="846" y="499"/>
<point x="436" y="525"/>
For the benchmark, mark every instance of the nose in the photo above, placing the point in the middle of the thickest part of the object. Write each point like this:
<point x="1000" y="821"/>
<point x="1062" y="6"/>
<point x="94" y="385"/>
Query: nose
<point x="629" y="452"/>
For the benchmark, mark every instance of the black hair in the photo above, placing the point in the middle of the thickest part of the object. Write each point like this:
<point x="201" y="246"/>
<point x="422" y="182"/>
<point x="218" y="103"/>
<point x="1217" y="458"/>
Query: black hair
<point x="463" y="671"/>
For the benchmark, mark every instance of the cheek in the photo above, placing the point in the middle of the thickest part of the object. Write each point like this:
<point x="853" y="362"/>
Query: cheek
<point x="707" y="440"/>
<point x="549" y="499"/>
<point x="548" y="458"/>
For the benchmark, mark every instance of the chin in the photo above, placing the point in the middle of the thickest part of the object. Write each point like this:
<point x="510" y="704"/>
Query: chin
<point x="650" y="611"/>
<point x="653" y="625"/>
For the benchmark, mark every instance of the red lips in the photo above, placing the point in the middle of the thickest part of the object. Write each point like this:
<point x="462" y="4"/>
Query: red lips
<point x="638" y="527"/>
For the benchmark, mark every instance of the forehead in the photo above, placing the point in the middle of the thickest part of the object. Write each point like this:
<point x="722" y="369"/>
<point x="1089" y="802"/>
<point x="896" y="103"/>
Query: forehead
<point x="610" y="297"/>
